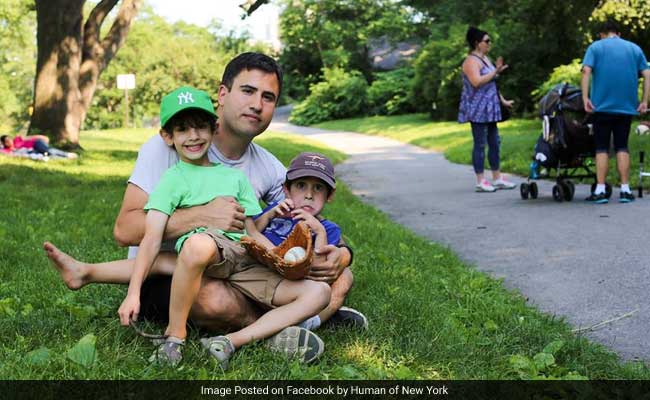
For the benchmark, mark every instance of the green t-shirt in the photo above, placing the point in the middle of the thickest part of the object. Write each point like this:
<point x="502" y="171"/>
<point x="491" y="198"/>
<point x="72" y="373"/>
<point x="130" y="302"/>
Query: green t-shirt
<point x="186" y="185"/>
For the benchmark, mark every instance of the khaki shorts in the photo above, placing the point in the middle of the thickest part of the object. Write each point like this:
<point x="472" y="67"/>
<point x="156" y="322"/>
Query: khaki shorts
<point x="243" y="272"/>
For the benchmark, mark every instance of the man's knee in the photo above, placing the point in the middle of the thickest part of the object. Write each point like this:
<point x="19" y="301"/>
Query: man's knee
<point x="219" y="306"/>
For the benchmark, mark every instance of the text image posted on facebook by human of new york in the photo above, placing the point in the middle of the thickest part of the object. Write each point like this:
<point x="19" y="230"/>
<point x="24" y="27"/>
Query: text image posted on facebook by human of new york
<point x="328" y="390"/>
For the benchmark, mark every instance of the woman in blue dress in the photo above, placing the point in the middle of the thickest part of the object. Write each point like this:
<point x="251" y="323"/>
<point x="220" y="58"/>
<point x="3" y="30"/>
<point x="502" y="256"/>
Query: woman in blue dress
<point x="480" y="105"/>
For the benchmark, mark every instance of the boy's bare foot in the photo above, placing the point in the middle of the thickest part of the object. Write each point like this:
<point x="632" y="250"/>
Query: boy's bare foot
<point x="71" y="270"/>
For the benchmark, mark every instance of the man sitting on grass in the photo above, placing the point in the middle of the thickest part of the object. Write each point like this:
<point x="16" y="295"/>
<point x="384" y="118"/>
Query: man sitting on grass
<point x="188" y="124"/>
<point x="249" y="91"/>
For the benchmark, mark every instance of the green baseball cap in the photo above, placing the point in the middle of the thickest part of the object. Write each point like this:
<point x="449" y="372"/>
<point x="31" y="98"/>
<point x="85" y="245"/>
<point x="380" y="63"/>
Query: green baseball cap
<point x="183" y="98"/>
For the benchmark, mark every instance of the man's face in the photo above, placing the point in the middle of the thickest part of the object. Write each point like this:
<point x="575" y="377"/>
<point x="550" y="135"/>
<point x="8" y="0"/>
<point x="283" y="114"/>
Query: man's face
<point x="247" y="109"/>
<point x="8" y="142"/>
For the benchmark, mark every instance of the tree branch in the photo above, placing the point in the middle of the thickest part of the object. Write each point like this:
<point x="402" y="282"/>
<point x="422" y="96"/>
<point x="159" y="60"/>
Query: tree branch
<point x="251" y="5"/>
<point x="92" y="28"/>
<point x="119" y="30"/>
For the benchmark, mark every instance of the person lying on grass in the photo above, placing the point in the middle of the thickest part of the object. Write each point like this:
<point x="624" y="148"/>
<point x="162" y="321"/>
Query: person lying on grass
<point x="32" y="145"/>
<point x="309" y="184"/>
<point x="188" y="123"/>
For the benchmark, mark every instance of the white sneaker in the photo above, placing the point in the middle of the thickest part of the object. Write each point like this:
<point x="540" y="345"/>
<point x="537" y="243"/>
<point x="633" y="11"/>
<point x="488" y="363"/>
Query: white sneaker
<point x="485" y="186"/>
<point x="504" y="184"/>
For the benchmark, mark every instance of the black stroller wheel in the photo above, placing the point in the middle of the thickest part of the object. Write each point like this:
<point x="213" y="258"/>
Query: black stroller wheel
<point x="524" y="190"/>
<point x="572" y="186"/>
<point x="558" y="193"/>
<point x="569" y="190"/>
<point x="533" y="190"/>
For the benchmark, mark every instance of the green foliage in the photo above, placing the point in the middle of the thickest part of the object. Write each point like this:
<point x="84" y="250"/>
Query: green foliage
<point x="632" y="16"/>
<point x="84" y="352"/>
<point x="533" y="37"/>
<point x="17" y="61"/>
<point x="570" y="73"/>
<point x="391" y="92"/>
<point x="543" y="365"/>
<point x="163" y="56"/>
<point x="438" y="75"/>
<point x="318" y="34"/>
<point x="342" y="94"/>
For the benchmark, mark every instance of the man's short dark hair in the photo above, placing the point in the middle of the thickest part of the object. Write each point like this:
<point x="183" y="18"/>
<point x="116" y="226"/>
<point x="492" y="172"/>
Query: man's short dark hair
<point x="190" y="118"/>
<point x="609" y="26"/>
<point x="2" y="139"/>
<point x="248" y="61"/>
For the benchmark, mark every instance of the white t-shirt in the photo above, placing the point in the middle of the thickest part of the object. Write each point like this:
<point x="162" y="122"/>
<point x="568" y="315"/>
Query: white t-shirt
<point x="265" y="172"/>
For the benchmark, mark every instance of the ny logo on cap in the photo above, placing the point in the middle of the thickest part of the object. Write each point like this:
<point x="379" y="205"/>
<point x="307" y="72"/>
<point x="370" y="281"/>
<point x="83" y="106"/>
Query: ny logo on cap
<point x="185" y="98"/>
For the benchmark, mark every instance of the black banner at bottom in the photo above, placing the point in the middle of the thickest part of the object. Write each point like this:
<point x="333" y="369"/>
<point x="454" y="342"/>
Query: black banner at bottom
<point x="479" y="390"/>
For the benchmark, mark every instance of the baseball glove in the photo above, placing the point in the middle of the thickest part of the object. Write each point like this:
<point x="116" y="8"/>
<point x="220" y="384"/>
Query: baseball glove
<point x="299" y="237"/>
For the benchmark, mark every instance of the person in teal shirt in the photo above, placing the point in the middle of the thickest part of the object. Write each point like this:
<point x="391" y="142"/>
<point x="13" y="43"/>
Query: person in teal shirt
<point x="188" y="123"/>
<point x="613" y="65"/>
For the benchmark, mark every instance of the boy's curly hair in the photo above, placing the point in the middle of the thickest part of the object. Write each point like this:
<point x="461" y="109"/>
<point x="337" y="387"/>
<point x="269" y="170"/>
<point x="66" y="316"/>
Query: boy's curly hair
<point x="190" y="118"/>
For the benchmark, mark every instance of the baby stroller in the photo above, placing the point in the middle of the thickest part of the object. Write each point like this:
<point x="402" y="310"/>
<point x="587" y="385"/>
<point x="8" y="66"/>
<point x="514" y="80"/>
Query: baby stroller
<point x="566" y="144"/>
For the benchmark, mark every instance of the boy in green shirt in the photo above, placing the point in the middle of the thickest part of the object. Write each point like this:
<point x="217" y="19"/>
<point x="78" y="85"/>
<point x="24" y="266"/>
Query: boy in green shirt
<point x="188" y="123"/>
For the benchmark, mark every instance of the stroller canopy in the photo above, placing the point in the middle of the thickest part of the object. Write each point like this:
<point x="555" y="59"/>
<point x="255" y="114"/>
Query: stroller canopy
<point x="561" y="97"/>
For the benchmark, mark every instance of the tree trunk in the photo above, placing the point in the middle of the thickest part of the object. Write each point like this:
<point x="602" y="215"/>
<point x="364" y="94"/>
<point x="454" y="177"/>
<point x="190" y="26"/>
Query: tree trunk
<point x="56" y="87"/>
<point x="70" y="60"/>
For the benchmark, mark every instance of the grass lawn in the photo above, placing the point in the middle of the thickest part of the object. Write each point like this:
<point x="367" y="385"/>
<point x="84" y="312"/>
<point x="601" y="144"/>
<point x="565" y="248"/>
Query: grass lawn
<point x="518" y="138"/>
<point x="431" y="316"/>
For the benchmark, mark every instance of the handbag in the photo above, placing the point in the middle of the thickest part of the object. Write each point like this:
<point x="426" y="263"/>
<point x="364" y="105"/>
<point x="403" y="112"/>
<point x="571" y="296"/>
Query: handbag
<point x="505" y="112"/>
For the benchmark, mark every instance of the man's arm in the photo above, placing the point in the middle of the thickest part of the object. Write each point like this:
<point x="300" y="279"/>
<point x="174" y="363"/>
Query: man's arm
<point x="643" y="106"/>
<point x="222" y="213"/>
<point x="584" y="86"/>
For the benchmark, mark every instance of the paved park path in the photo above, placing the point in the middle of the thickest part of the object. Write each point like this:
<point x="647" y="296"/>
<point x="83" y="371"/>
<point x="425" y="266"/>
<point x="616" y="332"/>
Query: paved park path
<point x="586" y="262"/>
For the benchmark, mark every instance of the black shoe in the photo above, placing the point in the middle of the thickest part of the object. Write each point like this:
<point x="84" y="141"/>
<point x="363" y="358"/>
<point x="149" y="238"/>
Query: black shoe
<point x="598" y="198"/>
<point x="626" y="197"/>
<point x="349" y="317"/>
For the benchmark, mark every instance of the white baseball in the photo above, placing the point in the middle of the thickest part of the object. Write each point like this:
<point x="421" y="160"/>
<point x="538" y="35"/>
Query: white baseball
<point x="294" y="254"/>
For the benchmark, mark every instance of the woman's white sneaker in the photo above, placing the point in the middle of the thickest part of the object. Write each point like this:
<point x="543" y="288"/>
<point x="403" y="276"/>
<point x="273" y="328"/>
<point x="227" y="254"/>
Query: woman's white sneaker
<point x="503" y="184"/>
<point x="485" y="186"/>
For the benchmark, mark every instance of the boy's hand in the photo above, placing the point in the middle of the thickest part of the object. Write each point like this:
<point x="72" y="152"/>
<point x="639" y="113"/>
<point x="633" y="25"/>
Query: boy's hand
<point x="130" y="309"/>
<point x="311" y="221"/>
<point x="283" y="209"/>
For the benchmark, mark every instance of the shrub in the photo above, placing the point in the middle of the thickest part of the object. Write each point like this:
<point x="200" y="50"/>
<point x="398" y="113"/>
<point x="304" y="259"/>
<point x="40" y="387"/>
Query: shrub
<point x="341" y="95"/>
<point x="438" y="79"/>
<point x="569" y="73"/>
<point x="391" y="92"/>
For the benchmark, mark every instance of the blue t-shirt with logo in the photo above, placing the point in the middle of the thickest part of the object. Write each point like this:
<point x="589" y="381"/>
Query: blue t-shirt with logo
<point x="279" y="228"/>
<point x="616" y="64"/>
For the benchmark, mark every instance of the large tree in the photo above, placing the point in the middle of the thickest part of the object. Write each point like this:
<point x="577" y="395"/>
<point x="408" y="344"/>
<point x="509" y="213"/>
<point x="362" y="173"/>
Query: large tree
<point x="71" y="57"/>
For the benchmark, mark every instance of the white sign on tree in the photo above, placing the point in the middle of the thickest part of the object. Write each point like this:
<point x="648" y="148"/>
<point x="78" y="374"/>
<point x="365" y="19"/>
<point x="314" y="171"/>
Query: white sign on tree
<point x="126" y="82"/>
